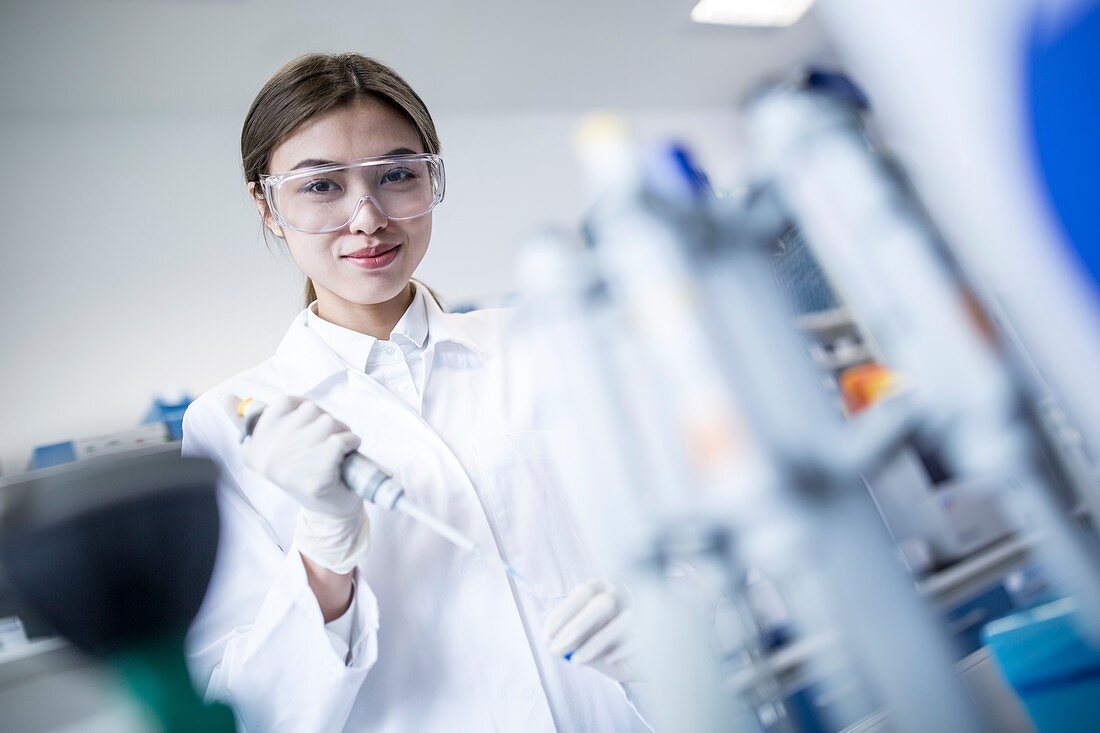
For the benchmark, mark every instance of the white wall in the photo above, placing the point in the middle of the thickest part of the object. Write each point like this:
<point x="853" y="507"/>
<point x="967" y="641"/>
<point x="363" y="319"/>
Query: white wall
<point x="132" y="261"/>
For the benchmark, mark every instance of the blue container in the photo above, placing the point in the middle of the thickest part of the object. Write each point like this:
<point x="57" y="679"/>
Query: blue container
<point x="169" y="413"/>
<point x="1054" y="671"/>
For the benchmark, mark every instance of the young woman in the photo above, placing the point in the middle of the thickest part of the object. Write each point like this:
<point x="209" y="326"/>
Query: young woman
<point x="326" y="614"/>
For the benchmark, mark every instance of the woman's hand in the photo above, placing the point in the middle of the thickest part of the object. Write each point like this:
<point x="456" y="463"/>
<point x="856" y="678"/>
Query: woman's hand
<point x="300" y="448"/>
<point x="592" y="626"/>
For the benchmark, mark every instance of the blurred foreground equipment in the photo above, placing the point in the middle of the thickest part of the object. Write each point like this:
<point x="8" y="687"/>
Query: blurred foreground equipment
<point x="114" y="553"/>
<point x="806" y="435"/>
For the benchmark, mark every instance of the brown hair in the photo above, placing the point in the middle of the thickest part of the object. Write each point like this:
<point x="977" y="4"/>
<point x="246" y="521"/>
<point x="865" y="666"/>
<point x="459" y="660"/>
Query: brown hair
<point x="311" y="85"/>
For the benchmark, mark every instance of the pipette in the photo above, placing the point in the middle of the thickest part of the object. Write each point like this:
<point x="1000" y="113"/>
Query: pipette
<point x="368" y="480"/>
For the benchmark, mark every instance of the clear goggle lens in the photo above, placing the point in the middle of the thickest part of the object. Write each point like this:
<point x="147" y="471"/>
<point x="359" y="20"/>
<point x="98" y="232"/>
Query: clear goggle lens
<point x="327" y="198"/>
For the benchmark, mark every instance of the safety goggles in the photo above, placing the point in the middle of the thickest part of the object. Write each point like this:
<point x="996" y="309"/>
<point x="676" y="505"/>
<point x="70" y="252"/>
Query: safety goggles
<point x="325" y="198"/>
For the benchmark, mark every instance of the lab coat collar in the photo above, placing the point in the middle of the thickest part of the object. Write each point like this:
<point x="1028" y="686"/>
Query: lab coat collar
<point x="305" y="360"/>
<point x="351" y="346"/>
<point x="414" y="324"/>
<point x="446" y="327"/>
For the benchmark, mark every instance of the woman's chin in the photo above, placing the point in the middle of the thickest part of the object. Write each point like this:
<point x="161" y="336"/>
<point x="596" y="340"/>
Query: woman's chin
<point x="382" y="291"/>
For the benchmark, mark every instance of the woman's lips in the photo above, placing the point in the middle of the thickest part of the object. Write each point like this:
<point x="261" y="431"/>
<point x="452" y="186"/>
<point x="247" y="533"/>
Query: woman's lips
<point x="374" y="262"/>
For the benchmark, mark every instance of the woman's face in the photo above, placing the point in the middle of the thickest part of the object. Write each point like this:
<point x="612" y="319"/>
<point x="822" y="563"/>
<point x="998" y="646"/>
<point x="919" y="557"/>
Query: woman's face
<point x="364" y="129"/>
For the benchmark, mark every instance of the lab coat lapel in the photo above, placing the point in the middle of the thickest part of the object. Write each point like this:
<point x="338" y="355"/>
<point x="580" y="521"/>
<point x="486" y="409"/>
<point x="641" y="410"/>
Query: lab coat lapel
<point x="305" y="361"/>
<point x="389" y="429"/>
<point x="401" y="442"/>
<point x="392" y="434"/>
<point x="310" y="368"/>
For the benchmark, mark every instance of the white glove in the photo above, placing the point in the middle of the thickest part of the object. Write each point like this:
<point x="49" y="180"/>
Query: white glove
<point x="592" y="626"/>
<point x="300" y="448"/>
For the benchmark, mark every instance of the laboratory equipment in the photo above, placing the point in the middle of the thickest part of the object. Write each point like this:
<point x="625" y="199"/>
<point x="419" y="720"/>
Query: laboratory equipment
<point x="1054" y="670"/>
<point x="1018" y="224"/>
<point x="169" y="409"/>
<point x="871" y="408"/>
<point x="822" y="168"/>
<point x="709" y="291"/>
<point x="114" y="553"/>
<point x="374" y="485"/>
<point x="152" y="434"/>
<point x="162" y="423"/>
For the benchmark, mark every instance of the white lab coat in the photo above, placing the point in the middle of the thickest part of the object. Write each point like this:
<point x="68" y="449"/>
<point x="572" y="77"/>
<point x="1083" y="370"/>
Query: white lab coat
<point x="440" y="641"/>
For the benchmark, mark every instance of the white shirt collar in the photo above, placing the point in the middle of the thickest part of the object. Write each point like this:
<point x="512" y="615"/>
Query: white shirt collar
<point x="355" y="348"/>
<point x="305" y="360"/>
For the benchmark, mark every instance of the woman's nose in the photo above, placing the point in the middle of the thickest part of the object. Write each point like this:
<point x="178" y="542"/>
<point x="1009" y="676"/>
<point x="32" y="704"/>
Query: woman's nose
<point x="367" y="217"/>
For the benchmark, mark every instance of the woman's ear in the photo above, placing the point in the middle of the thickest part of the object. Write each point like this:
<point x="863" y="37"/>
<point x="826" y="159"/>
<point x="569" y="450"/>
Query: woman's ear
<point x="265" y="211"/>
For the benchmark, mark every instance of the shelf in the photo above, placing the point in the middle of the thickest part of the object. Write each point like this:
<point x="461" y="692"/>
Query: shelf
<point x="979" y="569"/>
<point x="825" y="320"/>
<point x="853" y="357"/>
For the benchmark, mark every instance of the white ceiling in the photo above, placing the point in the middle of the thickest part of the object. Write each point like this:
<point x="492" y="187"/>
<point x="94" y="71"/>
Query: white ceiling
<point x="62" y="57"/>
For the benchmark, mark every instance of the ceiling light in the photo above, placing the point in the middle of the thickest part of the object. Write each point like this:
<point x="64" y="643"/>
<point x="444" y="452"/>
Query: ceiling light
<point x="754" y="13"/>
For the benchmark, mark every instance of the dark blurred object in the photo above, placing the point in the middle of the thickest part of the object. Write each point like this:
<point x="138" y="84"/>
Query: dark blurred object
<point x="837" y="85"/>
<point x="115" y="554"/>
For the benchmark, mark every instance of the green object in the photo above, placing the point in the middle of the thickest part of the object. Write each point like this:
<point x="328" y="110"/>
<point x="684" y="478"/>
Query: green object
<point x="156" y="673"/>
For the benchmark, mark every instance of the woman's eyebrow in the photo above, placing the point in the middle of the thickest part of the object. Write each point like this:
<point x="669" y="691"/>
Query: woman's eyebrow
<point x="311" y="162"/>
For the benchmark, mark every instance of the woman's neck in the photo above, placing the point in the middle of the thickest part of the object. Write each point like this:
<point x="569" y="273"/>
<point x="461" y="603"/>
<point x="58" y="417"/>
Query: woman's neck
<point x="375" y="319"/>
